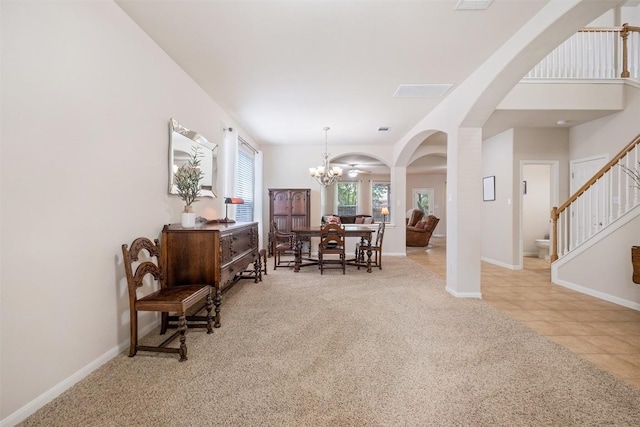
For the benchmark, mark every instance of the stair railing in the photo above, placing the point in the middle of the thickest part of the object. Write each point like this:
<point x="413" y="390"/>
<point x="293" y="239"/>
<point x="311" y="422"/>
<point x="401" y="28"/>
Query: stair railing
<point x="605" y="197"/>
<point x="594" y="53"/>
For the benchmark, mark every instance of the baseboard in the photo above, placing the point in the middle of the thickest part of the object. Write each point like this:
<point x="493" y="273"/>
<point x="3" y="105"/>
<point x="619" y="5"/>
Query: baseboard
<point x="477" y="295"/>
<point x="501" y="264"/>
<point x="64" y="385"/>
<point x="601" y="295"/>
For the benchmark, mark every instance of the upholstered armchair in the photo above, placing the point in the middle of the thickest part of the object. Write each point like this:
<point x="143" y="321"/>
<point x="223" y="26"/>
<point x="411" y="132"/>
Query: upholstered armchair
<point x="420" y="233"/>
<point x="416" y="215"/>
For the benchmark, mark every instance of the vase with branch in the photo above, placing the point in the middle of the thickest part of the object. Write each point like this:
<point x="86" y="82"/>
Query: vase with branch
<point x="633" y="173"/>
<point x="187" y="180"/>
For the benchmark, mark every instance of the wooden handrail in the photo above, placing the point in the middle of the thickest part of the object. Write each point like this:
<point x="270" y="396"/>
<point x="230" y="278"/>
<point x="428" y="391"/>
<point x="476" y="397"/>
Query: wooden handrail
<point x="601" y="172"/>
<point x="556" y="211"/>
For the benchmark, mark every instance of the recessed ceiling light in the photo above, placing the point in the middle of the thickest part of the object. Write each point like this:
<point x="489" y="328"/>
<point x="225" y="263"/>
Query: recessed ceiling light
<point x="472" y="4"/>
<point x="421" y="90"/>
<point x="561" y="122"/>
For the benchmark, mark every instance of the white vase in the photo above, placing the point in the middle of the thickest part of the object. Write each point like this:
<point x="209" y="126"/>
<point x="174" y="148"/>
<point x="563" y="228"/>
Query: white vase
<point x="188" y="218"/>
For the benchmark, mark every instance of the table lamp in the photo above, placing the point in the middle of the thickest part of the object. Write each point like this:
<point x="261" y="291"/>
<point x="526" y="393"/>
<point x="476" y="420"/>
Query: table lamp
<point x="228" y="201"/>
<point x="384" y="212"/>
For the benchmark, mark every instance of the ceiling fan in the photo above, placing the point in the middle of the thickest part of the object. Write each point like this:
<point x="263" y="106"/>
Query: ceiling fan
<point x="353" y="172"/>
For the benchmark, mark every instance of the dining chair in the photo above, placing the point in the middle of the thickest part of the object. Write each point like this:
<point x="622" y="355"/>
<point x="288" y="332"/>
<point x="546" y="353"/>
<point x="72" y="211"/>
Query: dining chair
<point x="166" y="299"/>
<point x="362" y="250"/>
<point x="283" y="243"/>
<point x="332" y="240"/>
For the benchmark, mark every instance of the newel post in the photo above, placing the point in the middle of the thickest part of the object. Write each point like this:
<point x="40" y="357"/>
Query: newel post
<point x="624" y="34"/>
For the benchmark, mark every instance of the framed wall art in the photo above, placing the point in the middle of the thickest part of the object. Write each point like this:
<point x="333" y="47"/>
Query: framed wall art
<point x="488" y="188"/>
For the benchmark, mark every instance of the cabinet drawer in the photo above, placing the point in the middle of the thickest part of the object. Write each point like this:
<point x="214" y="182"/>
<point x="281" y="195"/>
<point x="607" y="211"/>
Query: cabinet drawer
<point x="237" y="266"/>
<point x="237" y="243"/>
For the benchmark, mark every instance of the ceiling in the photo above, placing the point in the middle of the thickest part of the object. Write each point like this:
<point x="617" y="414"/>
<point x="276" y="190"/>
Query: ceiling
<point x="286" y="69"/>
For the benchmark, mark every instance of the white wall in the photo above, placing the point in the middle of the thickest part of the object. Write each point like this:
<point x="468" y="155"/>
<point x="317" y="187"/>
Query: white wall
<point x="541" y="144"/>
<point x="501" y="157"/>
<point x="604" y="269"/>
<point x="498" y="214"/>
<point x="609" y="134"/>
<point x="618" y="16"/>
<point x="86" y="100"/>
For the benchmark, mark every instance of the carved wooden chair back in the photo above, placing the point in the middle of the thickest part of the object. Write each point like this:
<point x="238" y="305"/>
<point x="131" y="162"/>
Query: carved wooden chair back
<point x="380" y="235"/>
<point x="283" y="244"/>
<point x="174" y="299"/>
<point x="362" y="251"/>
<point x="332" y="242"/>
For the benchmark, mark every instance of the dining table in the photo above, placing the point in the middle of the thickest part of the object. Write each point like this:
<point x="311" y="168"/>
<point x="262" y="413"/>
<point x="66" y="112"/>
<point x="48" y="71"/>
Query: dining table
<point x="363" y="231"/>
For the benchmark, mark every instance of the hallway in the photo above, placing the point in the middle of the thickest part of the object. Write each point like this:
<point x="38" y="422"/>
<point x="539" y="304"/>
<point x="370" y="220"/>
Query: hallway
<point x="604" y="333"/>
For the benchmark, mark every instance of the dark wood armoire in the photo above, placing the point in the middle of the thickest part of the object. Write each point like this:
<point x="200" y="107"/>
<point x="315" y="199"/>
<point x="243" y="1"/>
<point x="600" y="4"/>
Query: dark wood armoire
<point x="289" y="208"/>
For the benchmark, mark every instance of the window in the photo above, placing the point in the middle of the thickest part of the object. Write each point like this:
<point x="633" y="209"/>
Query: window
<point x="380" y="198"/>
<point x="423" y="200"/>
<point x="347" y="198"/>
<point x="245" y="184"/>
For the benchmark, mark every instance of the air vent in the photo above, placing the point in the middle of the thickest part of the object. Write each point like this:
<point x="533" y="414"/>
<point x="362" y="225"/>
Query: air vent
<point x="384" y="129"/>
<point x="421" y="90"/>
<point x="473" y="4"/>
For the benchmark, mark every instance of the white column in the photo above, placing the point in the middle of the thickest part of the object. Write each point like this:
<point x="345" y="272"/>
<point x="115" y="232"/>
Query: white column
<point x="323" y="201"/>
<point x="395" y="234"/>
<point x="464" y="212"/>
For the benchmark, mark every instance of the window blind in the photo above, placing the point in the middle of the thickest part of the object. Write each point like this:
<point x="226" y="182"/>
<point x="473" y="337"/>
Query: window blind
<point x="245" y="184"/>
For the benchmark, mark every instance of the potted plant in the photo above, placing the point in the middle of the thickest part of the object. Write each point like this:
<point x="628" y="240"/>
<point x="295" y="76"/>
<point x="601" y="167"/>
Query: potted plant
<point x="187" y="180"/>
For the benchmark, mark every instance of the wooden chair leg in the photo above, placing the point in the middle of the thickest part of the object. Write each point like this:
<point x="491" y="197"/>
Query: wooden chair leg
<point x="217" y="301"/>
<point x="209" y="307"/>
<point x="182" y="328"/>
<point x="263" y="255"/>
<point x="164" y="324"/>
<point x="133" y="343"/>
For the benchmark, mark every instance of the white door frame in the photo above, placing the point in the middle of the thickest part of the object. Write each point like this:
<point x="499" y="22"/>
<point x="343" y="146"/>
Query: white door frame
<point x="555" y="189"/>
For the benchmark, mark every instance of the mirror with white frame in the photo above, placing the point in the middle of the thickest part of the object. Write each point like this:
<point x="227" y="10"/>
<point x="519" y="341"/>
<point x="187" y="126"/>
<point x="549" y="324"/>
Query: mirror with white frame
<point x="182" y="142"/>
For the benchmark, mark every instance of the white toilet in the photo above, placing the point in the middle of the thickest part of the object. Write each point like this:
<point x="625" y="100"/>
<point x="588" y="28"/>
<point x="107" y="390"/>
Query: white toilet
<point x="543" y="248"/>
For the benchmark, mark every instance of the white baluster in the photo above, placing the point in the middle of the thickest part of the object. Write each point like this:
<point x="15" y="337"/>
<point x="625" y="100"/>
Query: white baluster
<point x="635" y="165"/>
<point x="611" y="195"/>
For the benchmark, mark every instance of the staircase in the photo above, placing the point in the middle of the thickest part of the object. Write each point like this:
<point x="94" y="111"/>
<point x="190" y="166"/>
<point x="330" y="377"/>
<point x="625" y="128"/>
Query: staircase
<point x="607" y="197"/>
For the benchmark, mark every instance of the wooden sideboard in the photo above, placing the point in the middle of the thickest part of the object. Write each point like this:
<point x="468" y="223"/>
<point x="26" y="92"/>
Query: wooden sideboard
<point x="213" y="254"/>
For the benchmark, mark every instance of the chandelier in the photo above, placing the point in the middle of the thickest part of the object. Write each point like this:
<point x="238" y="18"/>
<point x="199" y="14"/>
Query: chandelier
<point x="326" y="174"/>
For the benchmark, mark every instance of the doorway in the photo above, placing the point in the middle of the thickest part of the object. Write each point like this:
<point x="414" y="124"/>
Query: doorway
<point x="538" y="194"/>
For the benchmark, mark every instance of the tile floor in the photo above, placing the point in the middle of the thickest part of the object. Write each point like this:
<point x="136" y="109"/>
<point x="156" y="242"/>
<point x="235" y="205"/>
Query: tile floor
<point x="604" y="333"/>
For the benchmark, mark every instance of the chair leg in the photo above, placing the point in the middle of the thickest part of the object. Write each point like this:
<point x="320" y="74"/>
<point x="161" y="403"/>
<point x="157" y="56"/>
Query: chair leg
<point x="182" y="328"/>
<point x="164" y="323"/>
<point x="209" y="307"/>
<point x="263" y="253"/>
<point x="133" y="343"/>
<point x="217" y="301"/>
